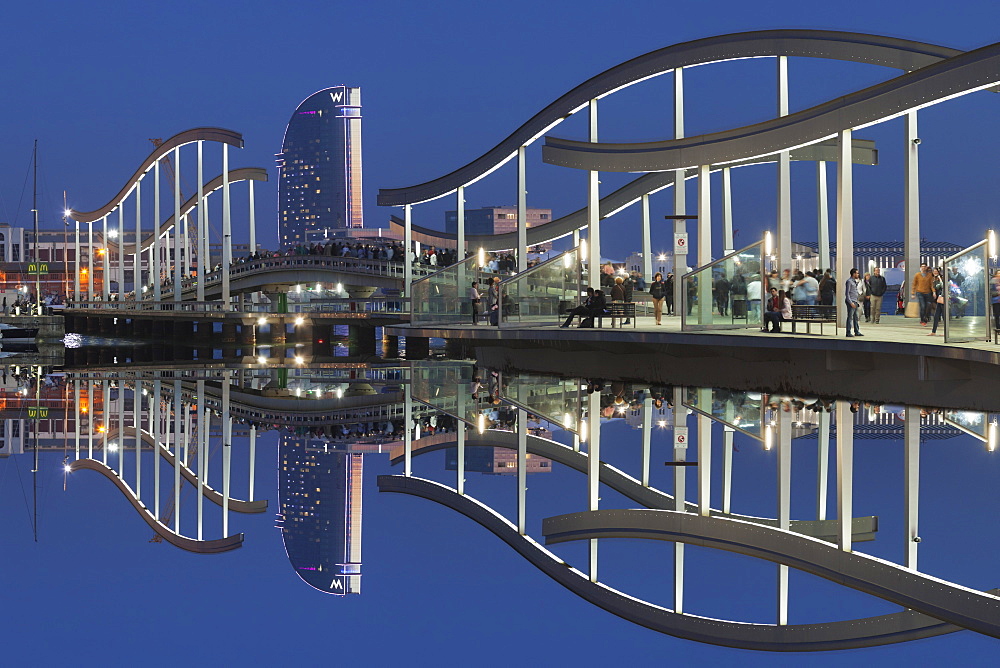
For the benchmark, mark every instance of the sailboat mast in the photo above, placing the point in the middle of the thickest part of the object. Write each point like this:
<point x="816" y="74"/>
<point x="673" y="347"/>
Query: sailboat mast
<point x="34" y="251"/>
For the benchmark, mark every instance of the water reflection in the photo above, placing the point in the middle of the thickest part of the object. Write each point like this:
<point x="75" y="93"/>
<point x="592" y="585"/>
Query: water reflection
<point x="701" y="468"/>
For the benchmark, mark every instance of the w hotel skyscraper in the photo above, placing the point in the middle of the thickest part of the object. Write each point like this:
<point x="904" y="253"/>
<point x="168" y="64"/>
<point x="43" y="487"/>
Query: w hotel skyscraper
<point x="319" y="183"/>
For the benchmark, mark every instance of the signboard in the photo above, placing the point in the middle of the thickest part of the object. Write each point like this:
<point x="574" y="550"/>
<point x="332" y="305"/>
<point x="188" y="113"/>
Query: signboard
<point x="38" y="412"/>
<point x="680" y="243"/>
<point x="38" y="268"/>
<point x="680" y="437"/>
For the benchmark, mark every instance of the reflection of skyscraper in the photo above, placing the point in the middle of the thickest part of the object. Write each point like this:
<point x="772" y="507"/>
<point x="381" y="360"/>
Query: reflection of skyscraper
<point x="319" y="185"/>
<point x="498" y="461"/>
<point x="319" y="491"/>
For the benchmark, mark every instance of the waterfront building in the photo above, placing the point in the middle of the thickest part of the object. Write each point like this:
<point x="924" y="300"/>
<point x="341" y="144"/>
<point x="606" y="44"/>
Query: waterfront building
<point x="319" y="167"/>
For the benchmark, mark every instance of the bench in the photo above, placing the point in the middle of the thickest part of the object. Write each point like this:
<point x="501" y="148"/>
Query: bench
<point x="812" y="314"/>
<point x="616" y="311"/>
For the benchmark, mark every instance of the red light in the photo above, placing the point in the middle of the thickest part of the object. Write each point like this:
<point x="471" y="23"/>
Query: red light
<point x="321" y="340"/>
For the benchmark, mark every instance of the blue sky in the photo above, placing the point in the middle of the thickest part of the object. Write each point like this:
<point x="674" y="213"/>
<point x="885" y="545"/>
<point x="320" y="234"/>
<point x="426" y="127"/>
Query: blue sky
<point x="443" y="82"/>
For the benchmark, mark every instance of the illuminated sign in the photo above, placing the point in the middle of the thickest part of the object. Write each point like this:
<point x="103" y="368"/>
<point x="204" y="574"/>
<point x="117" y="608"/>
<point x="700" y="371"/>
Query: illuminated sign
<point x="38" y="268"/>
<point x="38" y="412"/>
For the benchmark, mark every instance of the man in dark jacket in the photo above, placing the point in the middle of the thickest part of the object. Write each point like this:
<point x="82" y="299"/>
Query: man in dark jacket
<point x="598" y="306"/>
<point x="581" y="310"/>
<point x="878" y="288"/>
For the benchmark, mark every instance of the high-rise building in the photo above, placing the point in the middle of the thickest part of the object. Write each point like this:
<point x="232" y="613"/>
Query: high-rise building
<point x="494" y="220"/>
<point x="319" y="181"/>
<point x="319" y="491"/>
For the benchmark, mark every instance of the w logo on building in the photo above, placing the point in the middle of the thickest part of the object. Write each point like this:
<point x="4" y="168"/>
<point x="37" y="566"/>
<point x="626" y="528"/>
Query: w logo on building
<point x="337" y="97"/>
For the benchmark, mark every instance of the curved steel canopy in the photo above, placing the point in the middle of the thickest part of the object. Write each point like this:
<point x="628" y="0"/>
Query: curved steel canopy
<point x="220" y="135"/>
<point x="868" y="632"/>
<point x="890" y="52"/>
<point x="965" y="73"/>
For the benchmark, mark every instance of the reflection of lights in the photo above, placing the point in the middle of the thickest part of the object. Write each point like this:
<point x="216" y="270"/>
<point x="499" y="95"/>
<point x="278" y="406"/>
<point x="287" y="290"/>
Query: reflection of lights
<point x="261" y="360"/>
<point x="101" y="251"/>
<point x="298" y="359"/>
<point x="991" y="243"/>
<point x="661" y="257"/>
<point x="567" y="259"/>
<point x="101" y="429"/>
<point x="992" y="433"/>
<point x="481" y="423"/>
<point x="298" y="391"/>
<point x="319" y="286"/>
<point x="298" y="289"/>
<point x="583" y="249"/>
<point x="113" y="233"/>
<point x="299" y="321"/>
<point x="661" y="423"/>
<point x="339" y="393"/>
<point x="767" y="242"/>
<point x="583" y="431"/>
<point x="482" y="257"/>
<point x="972" y="266"/>
<point x="567" y="421"/>
<point x="113" y="447"/>
<point x="768" y="437"/>
<point x="67" y="212"/>
<point x="261" y="321"/>
<point x="67" y="468"/>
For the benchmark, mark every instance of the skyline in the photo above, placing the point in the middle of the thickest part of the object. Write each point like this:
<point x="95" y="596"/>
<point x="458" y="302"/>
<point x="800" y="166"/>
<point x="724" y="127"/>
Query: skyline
<point x="417" y="131"/>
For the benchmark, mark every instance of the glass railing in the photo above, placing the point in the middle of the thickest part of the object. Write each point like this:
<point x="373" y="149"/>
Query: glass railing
<point x="554" y="399"/>
<point x="738" y="409"/>
<point x="442" y="298"/>
<point x="542" y="294"/>
<point x="725" y="294"/>
<point x="453" y="388"/>
<point x="967" y="301"/>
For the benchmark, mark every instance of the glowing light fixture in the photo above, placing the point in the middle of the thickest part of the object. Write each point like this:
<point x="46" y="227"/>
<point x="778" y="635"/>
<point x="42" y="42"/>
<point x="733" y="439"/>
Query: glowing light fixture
<point x="768" y="437"/>
<point x="767" y="243"/>
<point x="583" y="431"/>
<point x="482" y="257"/>
<point x="67" y="468"/>
<point x="568" y="421"/>
<point x="991" y="236"/>
<point x="113" y="233"/>
<point x="992" y="435"/>
<point x="261" y="321"/>
<point x="261" y="360"/>
<point x="298" y="359"/>
<point x="299" y="321"/>
<point x="583" y="249"/>
<point x="481" y="423"/>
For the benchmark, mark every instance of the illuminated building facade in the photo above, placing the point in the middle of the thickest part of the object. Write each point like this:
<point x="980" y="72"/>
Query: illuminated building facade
<point x="319" y="182"/>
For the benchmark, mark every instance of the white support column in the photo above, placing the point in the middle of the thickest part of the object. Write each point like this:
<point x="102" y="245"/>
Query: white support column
<point x="594" y="209"/>
<point x="186" y="247"/>
<point x="227" y="450"/>
<point x="204" y="428"/>
<point x="911" y="463"/>
<point x="784" y="504"/>
<point x="522" y="211"/>
<point x="823" y="216"/>
<point x="407" y="248"/>
<point x="727" y="212"/>
<point x="106" y="262"/>
<point x="154" y="269"/>
<point x="704" y="455"/>
<point x="177" y="224"/>
<point x="593" y="468"/>
<point x="845" y="472"/>
<point x="157" y="398"/>
<point x="680" y="196"/>
<point x="460" y="474"/>
<point x="647" y="434"/>
<point x="121" y="251"/>
<point x="705" y="301"/>
<point x="90" y="264"/>
<point x="106" y="409"/>
<point x="204" y="261"/>
<point x="253" y="220"/>
<point x="227" y="229"/>
<point x="460" y="209"/>
<point x="911" y="205"/>
<point x="822" y="465"/>
<point x="176" y="442"/>
<point x="137" y="281"/>
<point x="680" y="492"/>
<point x="845" y="221"/>
<point x="76" y="413"/>
<point x="76" y="262"/>
<point x="522" y="469"/>
<point x="784" y="176"/>
<point x="647" y="244"/>
<point x="121" y="428"/>
<point x="408" y="429"/>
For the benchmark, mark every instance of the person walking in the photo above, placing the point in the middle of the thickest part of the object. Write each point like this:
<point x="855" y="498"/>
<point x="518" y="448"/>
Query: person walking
<point x="922" y="290"/>
<point x="877" y="287"/>
<point x="853" y="302"/>
<point x="865" y="294"/>
<point x="995" y="299"/>
<point x="937" y="290"/>
<point x="657" y="292"/>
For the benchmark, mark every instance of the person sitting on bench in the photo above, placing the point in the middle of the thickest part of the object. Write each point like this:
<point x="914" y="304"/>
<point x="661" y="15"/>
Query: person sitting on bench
<point x="598" y="307"/>
<point x="779" y="309"/>
<point x="581" y="310"/>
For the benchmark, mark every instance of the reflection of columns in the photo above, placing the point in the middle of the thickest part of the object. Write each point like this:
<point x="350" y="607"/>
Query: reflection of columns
<point x="407" y="248"/>
<point x="177" y="456"/>
<point x="822" y="464"/>
<point x="204" y="428"/>
<point x="845" y="471"/>
<point x="784" y="504"/>
<point x="253" y="459"/>
<point x="784" y="176"/>
<point x="911" y="203"/>
<point x="76" y="412"/>
<point x="845" y="222"/>
<point x="157" y="398"/>
<point x="704" y="455"/>
<point x="106" y="410"/>
<point x="137" y="281"/>
<point x="522" y="212"/>
<point x="593" y="468"/>
<point x="121" y="251"/>
<point x="253" y="220"/>
<point x="727" y="467"/>
<point x="76" y="262"/>
<point x="522" y="467"/>
<point x="647" y="433"/>
<point x="90" y="269"/>
<point x="460" y="209"/>
<point x="121" y="428"/>
<point x="594" y="208"/>
<point x="91" y="408"/>
<point x="137" y="429"/>
<point x="911" y="436"/>
<point x="408" y="428"/>
<point x="460" y="475"/>
<point x="704" y="243"/>
<point x="727" y="212"/>
<point x="154" y="268"/>
<point x="680" y="205"/>
<point x="227" y="450"/>
<point x="823" y="216"/>
<point x="680" y="455"/>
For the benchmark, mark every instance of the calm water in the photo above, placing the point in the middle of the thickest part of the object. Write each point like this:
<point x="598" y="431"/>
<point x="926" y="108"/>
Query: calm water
<point x="328" y="568"/>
